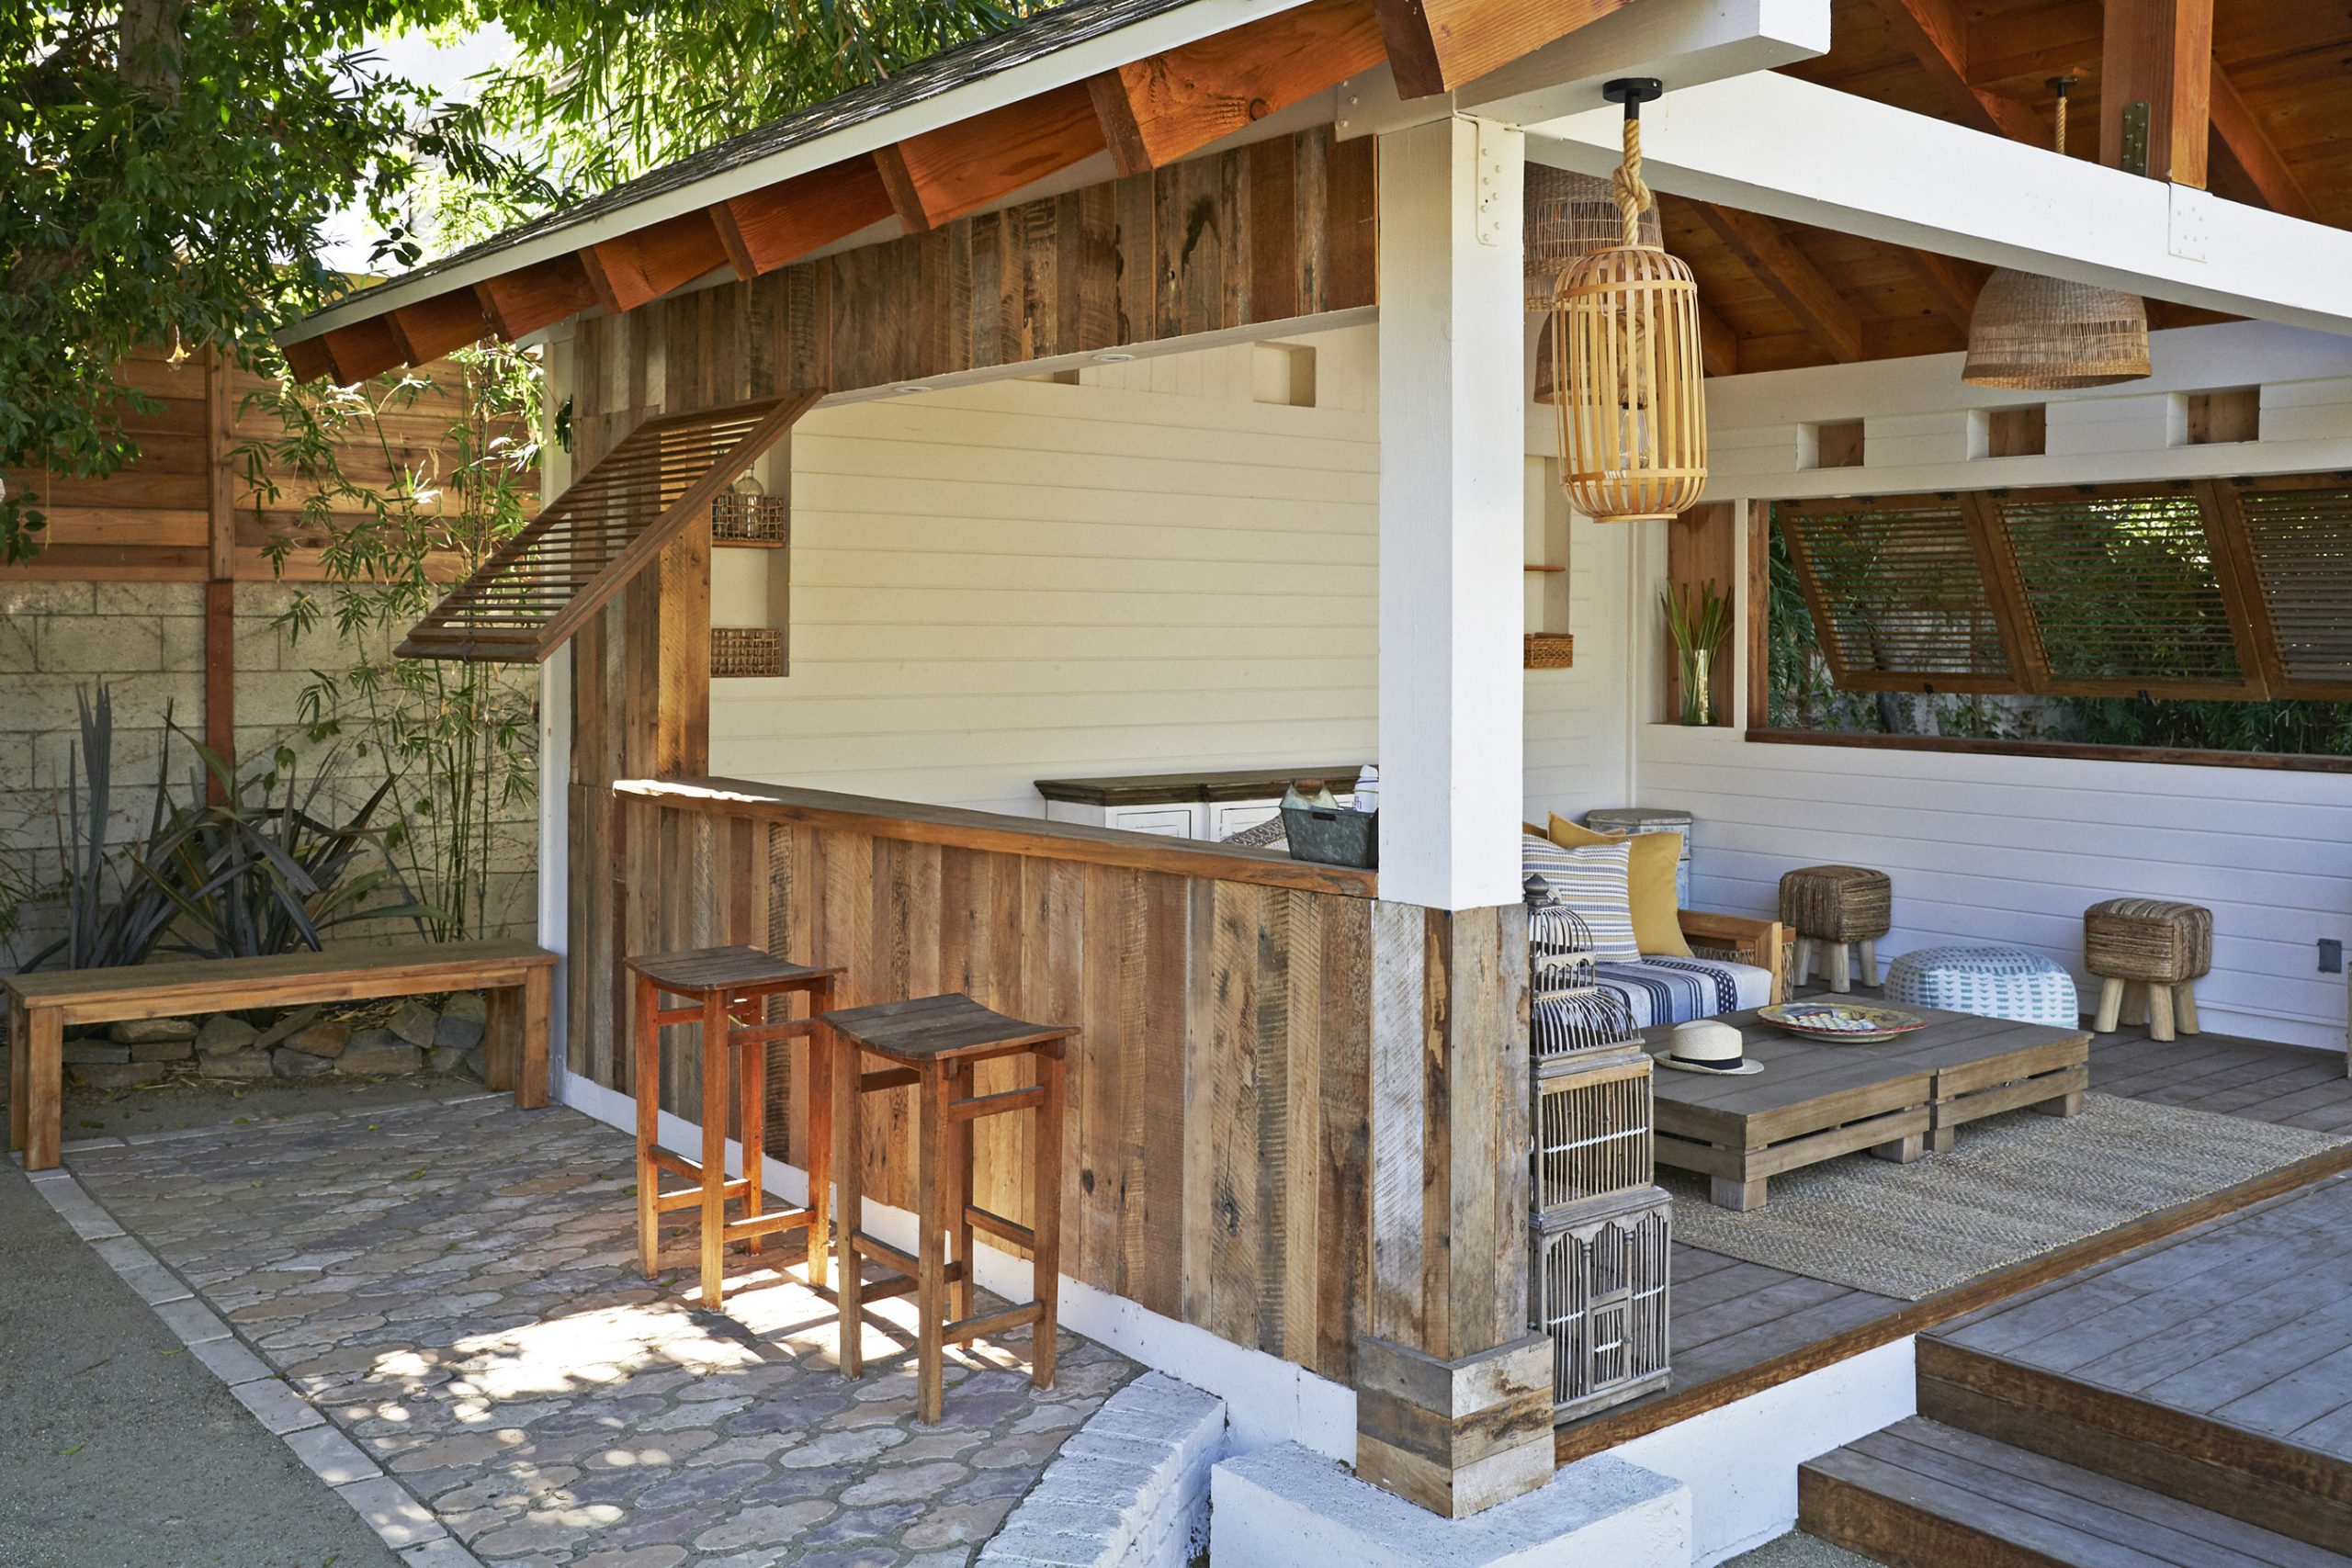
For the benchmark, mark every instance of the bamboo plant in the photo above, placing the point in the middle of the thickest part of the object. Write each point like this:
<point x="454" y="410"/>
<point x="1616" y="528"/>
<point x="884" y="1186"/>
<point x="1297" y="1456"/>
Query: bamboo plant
<point x="1700" y="622"/>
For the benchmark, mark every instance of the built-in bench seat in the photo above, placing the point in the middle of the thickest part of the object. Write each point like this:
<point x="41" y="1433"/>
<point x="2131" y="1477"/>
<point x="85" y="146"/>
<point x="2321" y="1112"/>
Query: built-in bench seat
<point x="42" y="1005"/>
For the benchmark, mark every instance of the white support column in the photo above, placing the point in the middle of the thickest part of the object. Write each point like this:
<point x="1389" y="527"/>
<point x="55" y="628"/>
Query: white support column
<point x="1452" y="429"/>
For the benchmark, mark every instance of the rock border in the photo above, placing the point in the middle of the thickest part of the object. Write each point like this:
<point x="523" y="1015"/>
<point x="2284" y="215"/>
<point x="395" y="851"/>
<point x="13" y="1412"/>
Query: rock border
<point x="1129" y="1490"/>
<point x="400" y="1518"/>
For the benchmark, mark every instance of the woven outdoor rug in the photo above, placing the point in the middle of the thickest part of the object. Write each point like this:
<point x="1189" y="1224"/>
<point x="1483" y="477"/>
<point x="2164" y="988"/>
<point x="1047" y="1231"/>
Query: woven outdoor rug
<point x="2012" y="1188"/>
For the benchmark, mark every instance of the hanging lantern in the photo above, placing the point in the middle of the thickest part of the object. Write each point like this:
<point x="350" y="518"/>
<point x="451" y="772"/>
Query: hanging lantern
<point x="2037" y="333"/>
<point x="1626" y="352"/>
<point x="1569" y="216"/>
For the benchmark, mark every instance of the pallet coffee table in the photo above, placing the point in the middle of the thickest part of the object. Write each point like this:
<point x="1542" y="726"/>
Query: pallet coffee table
<point x="1815" y="1100"/>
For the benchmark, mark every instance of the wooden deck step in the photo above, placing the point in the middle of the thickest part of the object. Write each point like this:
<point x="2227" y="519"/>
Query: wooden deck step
<point x="1921" y="1494"/>
<point x="2205" y="1460"/>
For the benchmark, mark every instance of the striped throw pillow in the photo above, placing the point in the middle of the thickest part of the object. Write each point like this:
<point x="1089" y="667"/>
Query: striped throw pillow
<point x="1591" y="879"/>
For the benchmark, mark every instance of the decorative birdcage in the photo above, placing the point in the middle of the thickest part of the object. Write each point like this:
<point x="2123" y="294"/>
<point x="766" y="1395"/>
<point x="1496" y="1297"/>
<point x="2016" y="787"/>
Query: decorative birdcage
<point x="1569" y="217"/>
<point x="1593" y="1125"/>
<point x="1625" y="351"/>
<point x="1599" y="1289"/>
<point x="747" y="515"/>
<point x="1570" y="1011"/>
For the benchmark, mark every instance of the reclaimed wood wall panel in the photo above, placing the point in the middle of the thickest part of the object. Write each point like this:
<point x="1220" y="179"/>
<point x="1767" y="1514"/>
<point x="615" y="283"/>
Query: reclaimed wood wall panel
<point x="1218" y="1122"/>
<point x="1259" y="235"/>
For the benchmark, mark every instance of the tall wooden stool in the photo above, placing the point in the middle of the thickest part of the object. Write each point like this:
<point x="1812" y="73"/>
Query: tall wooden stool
<point x="730" y="987"/>
<point x="934" y="1043"/>
<point x="2149" y="953"/>
<point x="1837" y="912"/>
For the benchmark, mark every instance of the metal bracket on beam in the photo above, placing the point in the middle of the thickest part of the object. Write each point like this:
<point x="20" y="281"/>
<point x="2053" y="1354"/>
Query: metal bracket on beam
<point x="2132" y="156"/>
<point x="1489" y="159"/>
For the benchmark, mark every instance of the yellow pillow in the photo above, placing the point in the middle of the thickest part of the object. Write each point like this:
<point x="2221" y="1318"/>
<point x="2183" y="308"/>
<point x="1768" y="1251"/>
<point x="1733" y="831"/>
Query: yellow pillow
<point x="1651" y="862"/>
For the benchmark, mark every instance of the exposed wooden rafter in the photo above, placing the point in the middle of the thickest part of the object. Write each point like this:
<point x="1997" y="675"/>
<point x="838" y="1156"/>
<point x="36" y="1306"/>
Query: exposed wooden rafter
<point x="536" y="295"/>
<point x="1937" y="35"/>
<point x="765" y="230"/>
<point x="1954" y="286"/>
<point x="431" y="328"/>
<point x="942" y="174"/>
<point x="2245" y="141"/>
<point x="1718" y="344"/>
<point x="635" y="268"/>
<point x="1435" y="46"/>
<point x="1794" y="281"/>
<point x="363" y="349"/>
<point x="2160" y="53"/>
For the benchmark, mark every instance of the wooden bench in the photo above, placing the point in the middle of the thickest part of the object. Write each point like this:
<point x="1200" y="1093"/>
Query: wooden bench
<point x="517" y="975"/>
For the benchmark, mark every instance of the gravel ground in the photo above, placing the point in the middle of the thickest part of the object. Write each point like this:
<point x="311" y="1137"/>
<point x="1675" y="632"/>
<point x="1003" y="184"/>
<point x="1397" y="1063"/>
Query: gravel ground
<point x="118" y="1448"/>
<point x="1798" y="1549"/>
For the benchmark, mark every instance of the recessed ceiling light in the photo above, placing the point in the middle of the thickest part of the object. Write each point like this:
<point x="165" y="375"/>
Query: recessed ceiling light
<point x="911" y="389"/>
<point x="1112" y="357"/>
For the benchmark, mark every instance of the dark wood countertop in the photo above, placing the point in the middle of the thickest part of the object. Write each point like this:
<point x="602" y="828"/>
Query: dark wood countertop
<point x="1168" y="789"/>
<point x="1005" y="835"/>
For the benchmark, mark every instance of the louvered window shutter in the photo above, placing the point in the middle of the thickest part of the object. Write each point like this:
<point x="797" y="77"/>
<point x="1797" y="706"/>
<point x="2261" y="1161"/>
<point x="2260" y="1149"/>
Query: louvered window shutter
<point x="522" y="603"/>
<point x="1899" y="593"/>
<point x="2298" y="532"/>
<point x="2122" y="591"/>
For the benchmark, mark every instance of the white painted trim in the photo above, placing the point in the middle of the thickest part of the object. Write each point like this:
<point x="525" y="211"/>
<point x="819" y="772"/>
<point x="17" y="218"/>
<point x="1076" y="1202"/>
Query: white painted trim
<point x="555" y="853"/>
<point x="1267" y="1399"/>
<point x="1740" y="1460"/>
<point x="1812" y="154"/>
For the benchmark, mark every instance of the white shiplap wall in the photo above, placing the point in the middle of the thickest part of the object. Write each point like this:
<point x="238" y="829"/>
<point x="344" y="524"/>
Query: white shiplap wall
<point x="1147" y="571"/>
<point x="1990" y="849"/>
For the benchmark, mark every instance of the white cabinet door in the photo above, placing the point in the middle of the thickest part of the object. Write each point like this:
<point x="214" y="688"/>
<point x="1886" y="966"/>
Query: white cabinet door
<point x="1238" y="816"/>
<point x="1167" y="821"/>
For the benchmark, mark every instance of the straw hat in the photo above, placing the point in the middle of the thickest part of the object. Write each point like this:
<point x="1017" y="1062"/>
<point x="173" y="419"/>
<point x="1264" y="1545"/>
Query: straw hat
<point x="1705" y="1045"/>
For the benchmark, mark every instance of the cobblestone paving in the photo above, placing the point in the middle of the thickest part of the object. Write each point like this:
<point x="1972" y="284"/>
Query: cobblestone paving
<point x="456" y="1287"/>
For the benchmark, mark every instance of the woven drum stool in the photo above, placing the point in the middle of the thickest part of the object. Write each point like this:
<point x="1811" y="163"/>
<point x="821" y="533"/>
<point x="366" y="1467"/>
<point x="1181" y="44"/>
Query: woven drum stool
<point x="730" y="987"/>
<point x="1845" y="908"/>
<point x="933" y="1044"/>
<point x="1990" y="982"/>
<point x="2149" y="953"/>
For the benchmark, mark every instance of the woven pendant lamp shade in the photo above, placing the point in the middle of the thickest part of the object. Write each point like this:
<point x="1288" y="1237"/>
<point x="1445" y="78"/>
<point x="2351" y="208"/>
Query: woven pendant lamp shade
<point x="1626" y="355"/>
<point x="2047" y="335"/>
<point x="2050" y="333"/>
<point x="1569" y="216"/>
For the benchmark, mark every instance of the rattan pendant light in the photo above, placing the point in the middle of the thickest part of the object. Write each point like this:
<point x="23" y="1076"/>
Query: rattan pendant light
<point x="1625" y="348"/>
<point x="1569" y="216"/>
<point x="2037" y="333"/>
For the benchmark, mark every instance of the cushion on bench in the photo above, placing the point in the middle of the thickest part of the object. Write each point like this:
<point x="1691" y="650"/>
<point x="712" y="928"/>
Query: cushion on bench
<point x="1660" y="990"/>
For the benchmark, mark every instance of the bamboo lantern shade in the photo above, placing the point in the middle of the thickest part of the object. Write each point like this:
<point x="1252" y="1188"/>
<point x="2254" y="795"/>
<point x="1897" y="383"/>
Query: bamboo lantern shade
<point x="1569" y="216"/>
<point x="1626" y="352"/>
<point x="2037" y="333"/>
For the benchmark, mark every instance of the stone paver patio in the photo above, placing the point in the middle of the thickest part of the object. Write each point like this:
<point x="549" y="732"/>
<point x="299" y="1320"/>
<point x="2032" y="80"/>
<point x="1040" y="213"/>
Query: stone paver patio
<point x="453" y="1286"/>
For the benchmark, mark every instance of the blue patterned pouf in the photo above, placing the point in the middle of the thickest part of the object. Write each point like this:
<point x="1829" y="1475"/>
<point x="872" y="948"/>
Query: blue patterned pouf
<point x="1990" y="982"/>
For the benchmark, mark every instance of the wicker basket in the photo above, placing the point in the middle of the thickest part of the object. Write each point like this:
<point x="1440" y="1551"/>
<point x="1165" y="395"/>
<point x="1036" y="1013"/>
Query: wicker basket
<point x="1592" y="1125"/>
<point x="738" y="652"/>
<point x="1599" y="1289"/>
<point x="1549" y="650"/>
<point x="738" y="518"/>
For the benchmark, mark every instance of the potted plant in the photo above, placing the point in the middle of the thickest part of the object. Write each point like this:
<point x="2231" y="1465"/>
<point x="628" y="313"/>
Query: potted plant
<point x="1699" y="620"/>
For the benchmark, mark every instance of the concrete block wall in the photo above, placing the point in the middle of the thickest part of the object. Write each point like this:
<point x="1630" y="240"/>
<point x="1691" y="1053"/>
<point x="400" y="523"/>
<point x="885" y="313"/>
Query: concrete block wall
<point x="145" y="642"/>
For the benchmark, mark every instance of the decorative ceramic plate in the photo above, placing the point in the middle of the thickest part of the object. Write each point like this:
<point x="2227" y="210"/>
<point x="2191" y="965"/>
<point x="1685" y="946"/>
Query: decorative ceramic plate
<point x="1850" y="1022"/>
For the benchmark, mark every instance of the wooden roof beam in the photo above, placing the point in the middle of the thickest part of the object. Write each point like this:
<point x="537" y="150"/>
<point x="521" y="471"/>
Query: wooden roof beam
<point x="307" y="359"/>
<point x="638" y="268"/>
<point x="1937" y="35"/>
<point x="766" y="228"/>
<point x="1435" y="46"/>
<point x="431" y="328"/>
<point x="363" y="349"/>
<point x="1794" y="281"/>
<point x="1718" y="344"/>
<point x="1162" y="107"/>
<point x="942" y="174"/>
<point x="2158" y="52"/>
<point x="541" y="294"/>
<point x="2244" y="140"/>
<point x="1953" y="285"/>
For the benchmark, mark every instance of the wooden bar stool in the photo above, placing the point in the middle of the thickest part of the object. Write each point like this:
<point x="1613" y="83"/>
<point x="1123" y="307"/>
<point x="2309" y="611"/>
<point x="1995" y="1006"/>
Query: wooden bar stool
<point x="730" y="987"/>
<point x="935" y="1041"/>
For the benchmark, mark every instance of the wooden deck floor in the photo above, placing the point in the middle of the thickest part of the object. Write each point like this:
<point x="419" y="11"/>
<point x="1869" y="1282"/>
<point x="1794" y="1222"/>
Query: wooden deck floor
<point x="1739" y="1327"/>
